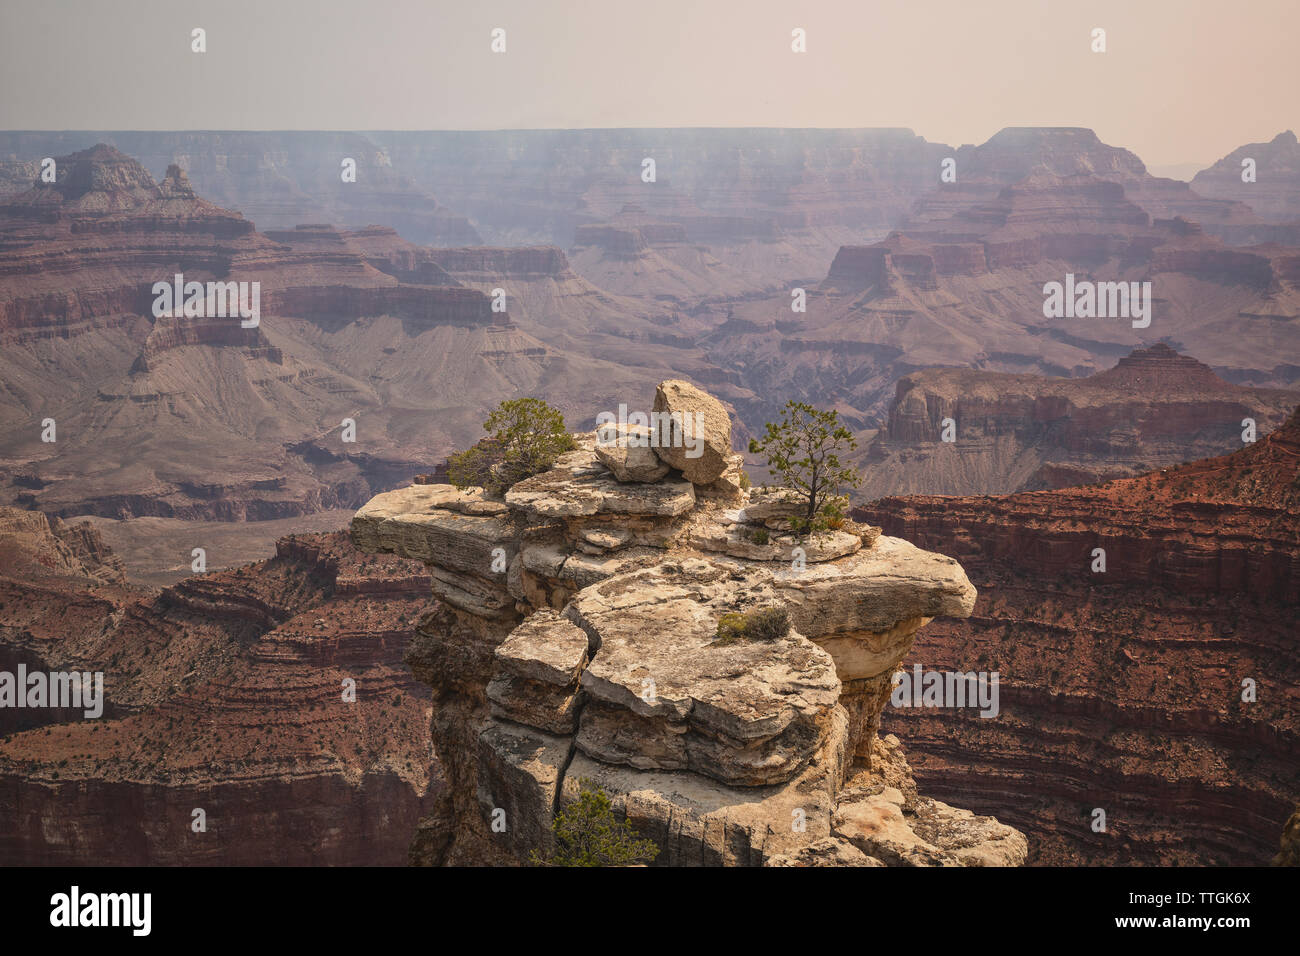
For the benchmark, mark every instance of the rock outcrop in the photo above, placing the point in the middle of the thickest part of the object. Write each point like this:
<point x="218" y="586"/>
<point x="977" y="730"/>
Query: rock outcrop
<point x="577" y="639"/>
<point x="704" y="449"/>
<point x="33" y="543"/>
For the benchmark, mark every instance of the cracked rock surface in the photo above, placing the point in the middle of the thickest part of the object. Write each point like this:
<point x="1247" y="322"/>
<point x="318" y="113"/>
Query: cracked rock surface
<point x="577" y="640"/>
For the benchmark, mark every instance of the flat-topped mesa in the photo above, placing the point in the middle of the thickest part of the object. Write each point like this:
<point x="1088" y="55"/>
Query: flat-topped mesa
<point x="577" y="637"/>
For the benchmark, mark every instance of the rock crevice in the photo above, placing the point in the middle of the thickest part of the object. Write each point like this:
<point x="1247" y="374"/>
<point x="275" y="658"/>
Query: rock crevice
<point x="577" y="640"/>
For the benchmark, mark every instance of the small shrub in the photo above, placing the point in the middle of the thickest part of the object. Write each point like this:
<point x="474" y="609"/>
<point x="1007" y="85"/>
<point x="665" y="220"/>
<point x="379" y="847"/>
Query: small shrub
<point x="731" y="627"/>
<point x="768" y="624"/>
<point x="764" y="624"/>
<point x="760" y="536"/>
<point x="525" y="437"/>
<point x="745" y="483"/>
<point x="588" y="834"/>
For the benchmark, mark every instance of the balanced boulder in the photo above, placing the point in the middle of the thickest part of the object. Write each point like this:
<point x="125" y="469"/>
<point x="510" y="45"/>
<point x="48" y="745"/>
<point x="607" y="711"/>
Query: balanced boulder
<point x="702" y="453"/>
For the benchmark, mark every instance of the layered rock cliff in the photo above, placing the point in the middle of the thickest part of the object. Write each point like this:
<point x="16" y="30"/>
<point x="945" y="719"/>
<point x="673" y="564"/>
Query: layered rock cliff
<point x="577" y="639"/>
<point x="367" y="329"/>
<point x="225" y="693"/>
<point x="31" y="541"/>
<point x="1144" y="631"/>
<point x="1273" y="190"/>
<point x="761" y="199"/>
<point x="284" y="178"/>
<point x="1017" y="153"/>
<point x="967" y="287"/>
<point x="1026" y="432"/>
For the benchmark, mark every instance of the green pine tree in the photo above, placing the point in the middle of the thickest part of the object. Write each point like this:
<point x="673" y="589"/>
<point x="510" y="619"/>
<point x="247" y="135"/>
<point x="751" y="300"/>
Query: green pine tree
<point x="803" y="453"/>
<point x="525" y="437"/>
<point x="587" y="833"/>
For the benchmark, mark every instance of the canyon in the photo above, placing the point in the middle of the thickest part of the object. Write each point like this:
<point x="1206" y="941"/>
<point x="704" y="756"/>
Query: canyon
<point x="201" y="419"/>
<point x="1161" y="685"/>
<point x="968" y="291"/>
<point x="225" y="694"/>
<point x="799" y="192"/>
<point x="737" y="210"/>
<point x="382" y="306"/>
<point x="631" y="285"/>
<point x="1026" y="432"/>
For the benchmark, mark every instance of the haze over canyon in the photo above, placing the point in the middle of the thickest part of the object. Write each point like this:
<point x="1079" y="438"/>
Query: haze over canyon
<point x="231" y="518"/>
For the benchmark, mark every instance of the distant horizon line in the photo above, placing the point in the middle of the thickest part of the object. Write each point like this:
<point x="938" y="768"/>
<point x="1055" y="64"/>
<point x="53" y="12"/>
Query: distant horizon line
<point x="1204" y="163"/>
<point x="525" y="129"/>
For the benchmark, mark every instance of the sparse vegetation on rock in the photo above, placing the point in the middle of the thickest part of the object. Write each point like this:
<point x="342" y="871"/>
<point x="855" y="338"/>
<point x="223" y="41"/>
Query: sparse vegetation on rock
<point x="765" y="624"/>
<point x="803" y="452"/>
<point x="525" y="437"/>
<point x="605" y="628"/>
<point x="587" y="833"/>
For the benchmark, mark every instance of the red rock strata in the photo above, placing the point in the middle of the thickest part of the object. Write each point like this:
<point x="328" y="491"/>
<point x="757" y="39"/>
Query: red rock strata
<point x="1123" y="690"/>
<point x="146" y="404"/>
<point x="1028" y="432"/>
<point x="225" y="693"/>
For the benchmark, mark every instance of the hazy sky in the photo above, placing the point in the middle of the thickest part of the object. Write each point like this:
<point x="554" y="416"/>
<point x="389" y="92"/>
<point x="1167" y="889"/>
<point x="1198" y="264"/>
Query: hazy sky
<point x="1181" y="81"/>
